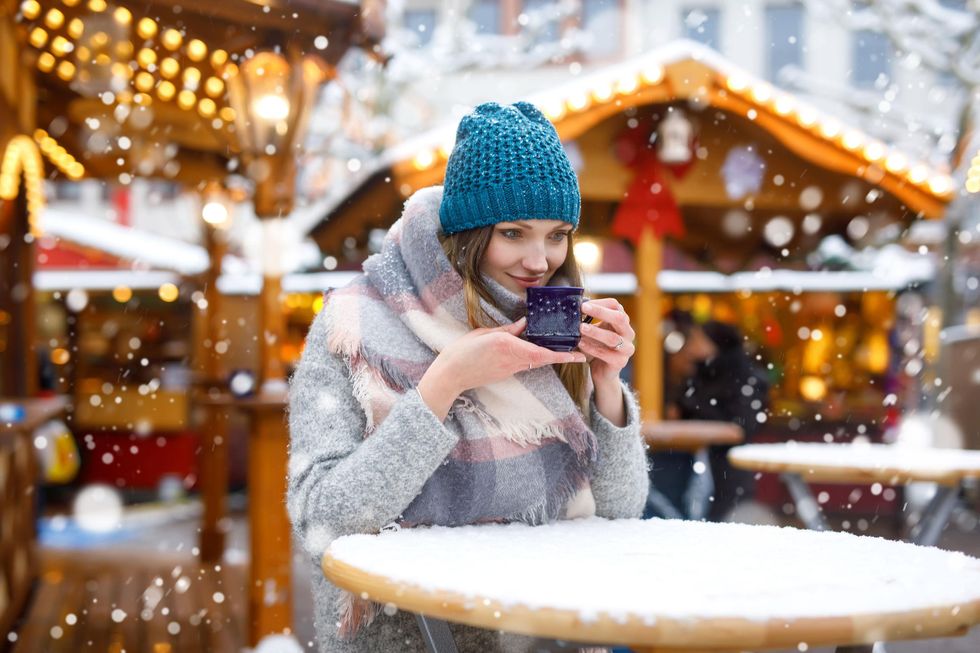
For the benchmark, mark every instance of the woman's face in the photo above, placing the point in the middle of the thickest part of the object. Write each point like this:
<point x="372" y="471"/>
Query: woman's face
<point x="525" y="253"/>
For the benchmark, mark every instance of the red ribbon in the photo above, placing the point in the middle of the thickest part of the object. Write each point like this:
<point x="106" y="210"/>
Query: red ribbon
<point x="648" y="201"/>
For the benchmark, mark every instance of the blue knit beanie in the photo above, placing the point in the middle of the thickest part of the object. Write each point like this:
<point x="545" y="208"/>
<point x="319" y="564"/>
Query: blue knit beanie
<point x="508" y="164"/>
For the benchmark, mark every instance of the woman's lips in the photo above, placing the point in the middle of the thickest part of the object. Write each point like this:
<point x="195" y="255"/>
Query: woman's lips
<point x="527" y="282"/>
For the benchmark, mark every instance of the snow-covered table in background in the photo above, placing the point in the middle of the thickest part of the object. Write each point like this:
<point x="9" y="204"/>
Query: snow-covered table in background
<point x="798" y="463"/>
<point x="694" y="437"/>
<point x="658" y="585"/>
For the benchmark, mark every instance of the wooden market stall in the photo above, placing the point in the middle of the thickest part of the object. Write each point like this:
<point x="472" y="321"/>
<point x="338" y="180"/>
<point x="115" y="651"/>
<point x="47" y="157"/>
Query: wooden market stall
<point x="118" y="90"/>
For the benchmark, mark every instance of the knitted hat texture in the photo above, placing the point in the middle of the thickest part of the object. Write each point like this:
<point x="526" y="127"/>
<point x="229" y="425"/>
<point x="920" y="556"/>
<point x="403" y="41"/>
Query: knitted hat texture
<point x="507" y="164"/>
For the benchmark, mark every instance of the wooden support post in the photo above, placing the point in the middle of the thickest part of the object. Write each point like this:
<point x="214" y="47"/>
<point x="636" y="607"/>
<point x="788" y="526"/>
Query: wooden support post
<point x="649" y="358"/>
<point x="213" y="457"/>
<point x="272" y="329"/>
<point x="213" y="475"/>
<point x="18" y="362"/>
<point x="270" y="592"/>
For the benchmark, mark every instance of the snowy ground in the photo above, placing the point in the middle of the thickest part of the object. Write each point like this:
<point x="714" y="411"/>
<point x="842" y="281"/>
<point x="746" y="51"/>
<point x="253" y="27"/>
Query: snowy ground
<point x="166" y="536"/>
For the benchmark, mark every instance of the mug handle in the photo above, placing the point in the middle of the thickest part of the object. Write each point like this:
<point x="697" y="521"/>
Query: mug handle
<point x="588" y="319"/>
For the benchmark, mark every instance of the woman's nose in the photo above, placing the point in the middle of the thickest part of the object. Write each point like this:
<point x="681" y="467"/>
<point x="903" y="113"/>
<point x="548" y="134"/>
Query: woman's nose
<point x="536" y="261"/>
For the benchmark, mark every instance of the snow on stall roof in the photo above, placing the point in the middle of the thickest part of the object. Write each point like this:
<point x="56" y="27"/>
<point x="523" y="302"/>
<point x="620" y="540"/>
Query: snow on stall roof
<point x="624" y="283"/>
<point x="862" y="455"/>
<point x="51" y="280"/>
<point x="125" y="242"/>
<point x="242" y="282"/>
<point x="669" y="568"/>
<point x="251" y="284"/>
<point x="677" y="281"/>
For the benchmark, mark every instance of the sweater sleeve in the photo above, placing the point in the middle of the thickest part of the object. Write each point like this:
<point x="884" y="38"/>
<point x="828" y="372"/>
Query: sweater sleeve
<point x="339" y="482"/>
<point x="620" y="481"/>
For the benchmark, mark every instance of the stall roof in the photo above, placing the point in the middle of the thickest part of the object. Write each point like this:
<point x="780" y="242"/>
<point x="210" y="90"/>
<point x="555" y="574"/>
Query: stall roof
<point x="685" y="70"/>
<point x="140" y="247"/>
<point x="681" y="71"/>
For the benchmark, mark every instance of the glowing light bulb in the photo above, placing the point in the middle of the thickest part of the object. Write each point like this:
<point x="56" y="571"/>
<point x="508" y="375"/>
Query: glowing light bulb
<point x="271" y="108"/>
<point x="146" y="28"/>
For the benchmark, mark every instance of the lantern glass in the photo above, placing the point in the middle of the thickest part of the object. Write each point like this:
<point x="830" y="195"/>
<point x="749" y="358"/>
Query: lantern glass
<point x="271" y="97"/>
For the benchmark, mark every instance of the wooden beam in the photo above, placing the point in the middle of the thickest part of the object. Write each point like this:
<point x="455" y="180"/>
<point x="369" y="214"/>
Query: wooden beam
<point x="214" y="454"/>
<point x="376" y="203"/>
<point x="18" y="362"/>
<point x="648" y="361"/>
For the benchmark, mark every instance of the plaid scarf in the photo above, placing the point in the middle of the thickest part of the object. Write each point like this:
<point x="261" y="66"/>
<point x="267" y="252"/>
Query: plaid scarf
<point x="524" y="450"/>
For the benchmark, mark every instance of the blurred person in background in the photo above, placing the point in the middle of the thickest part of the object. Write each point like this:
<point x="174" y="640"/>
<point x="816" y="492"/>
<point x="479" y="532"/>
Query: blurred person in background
<point x="707" y="376"/>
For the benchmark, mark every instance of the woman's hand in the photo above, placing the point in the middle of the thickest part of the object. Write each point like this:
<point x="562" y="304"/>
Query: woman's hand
<point x="482" y="357"/>
<point x="609" y="346"/>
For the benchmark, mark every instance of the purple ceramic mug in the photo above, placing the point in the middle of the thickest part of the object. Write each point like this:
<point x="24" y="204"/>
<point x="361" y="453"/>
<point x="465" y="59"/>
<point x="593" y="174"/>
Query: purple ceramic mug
<point x="554" y="316"/>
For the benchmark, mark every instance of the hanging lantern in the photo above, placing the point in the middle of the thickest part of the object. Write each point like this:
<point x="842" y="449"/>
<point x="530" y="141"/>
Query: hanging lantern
<point x="272" y="97"/>
<point x="675" y="138"/>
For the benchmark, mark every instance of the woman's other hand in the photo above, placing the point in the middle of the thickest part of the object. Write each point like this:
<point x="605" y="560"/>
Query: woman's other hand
<point x="609" y="347"/>
<point x="482" y="357"/>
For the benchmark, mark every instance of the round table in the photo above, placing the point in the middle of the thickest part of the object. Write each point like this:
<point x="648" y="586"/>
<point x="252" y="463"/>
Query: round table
<point x="801" y="462"/>
<point x="690" y="435"/>
<point x="665" y="584"/>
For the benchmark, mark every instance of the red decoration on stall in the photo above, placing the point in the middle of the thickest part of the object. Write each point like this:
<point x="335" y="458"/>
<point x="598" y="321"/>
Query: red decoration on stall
<point x="772" y="332"/>
<point x="648" y="200"/>
<point x="121" y="202"/>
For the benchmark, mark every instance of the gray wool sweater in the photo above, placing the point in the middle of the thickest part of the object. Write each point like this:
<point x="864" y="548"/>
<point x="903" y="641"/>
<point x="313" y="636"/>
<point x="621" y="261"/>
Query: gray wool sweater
<point x="340" y="483"/>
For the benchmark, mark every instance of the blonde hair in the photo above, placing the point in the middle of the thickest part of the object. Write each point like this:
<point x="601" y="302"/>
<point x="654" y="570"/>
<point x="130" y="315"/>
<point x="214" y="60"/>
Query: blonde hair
<point x="465" y="250"/>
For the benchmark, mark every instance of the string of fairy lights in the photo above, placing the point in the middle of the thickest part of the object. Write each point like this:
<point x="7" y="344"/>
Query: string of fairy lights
<point x="139" y="60"/>
<point x="22" y="158"/>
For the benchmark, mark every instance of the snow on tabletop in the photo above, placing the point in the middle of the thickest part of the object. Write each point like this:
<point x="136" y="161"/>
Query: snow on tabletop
<point x="863" y="455"/>
<point x="669" y="568"/>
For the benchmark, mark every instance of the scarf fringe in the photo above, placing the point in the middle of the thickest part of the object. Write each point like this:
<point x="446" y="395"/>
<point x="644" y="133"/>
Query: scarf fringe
<point x="355" y="614"/>
<point x="539" y="514"/>
<point x="362" y="384"/>
<point x="525" y="434"/>
<point x="533" y="434"/>
<point x="344" y="342"/>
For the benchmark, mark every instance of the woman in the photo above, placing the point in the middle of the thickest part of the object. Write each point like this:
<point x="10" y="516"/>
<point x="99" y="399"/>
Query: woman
<point x="416" y="402"/>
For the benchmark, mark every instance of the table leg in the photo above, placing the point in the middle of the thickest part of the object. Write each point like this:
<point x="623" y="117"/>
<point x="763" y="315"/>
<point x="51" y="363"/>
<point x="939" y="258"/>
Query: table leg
<point x="656" y="501"/>
<point x="436" y="634"/>
<point x="928" y="531"/>
<point x="806" y="506"/>
<point x="701" y="487"/>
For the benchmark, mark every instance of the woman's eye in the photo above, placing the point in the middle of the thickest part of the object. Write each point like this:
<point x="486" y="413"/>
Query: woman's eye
<point x="559" y="235"/>
<point x="510" y="233"/>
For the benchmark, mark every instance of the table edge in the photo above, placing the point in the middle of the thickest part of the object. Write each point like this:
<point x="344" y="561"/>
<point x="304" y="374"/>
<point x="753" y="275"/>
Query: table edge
<point x="721" y="632"/>
<point x="887" y="475"/>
